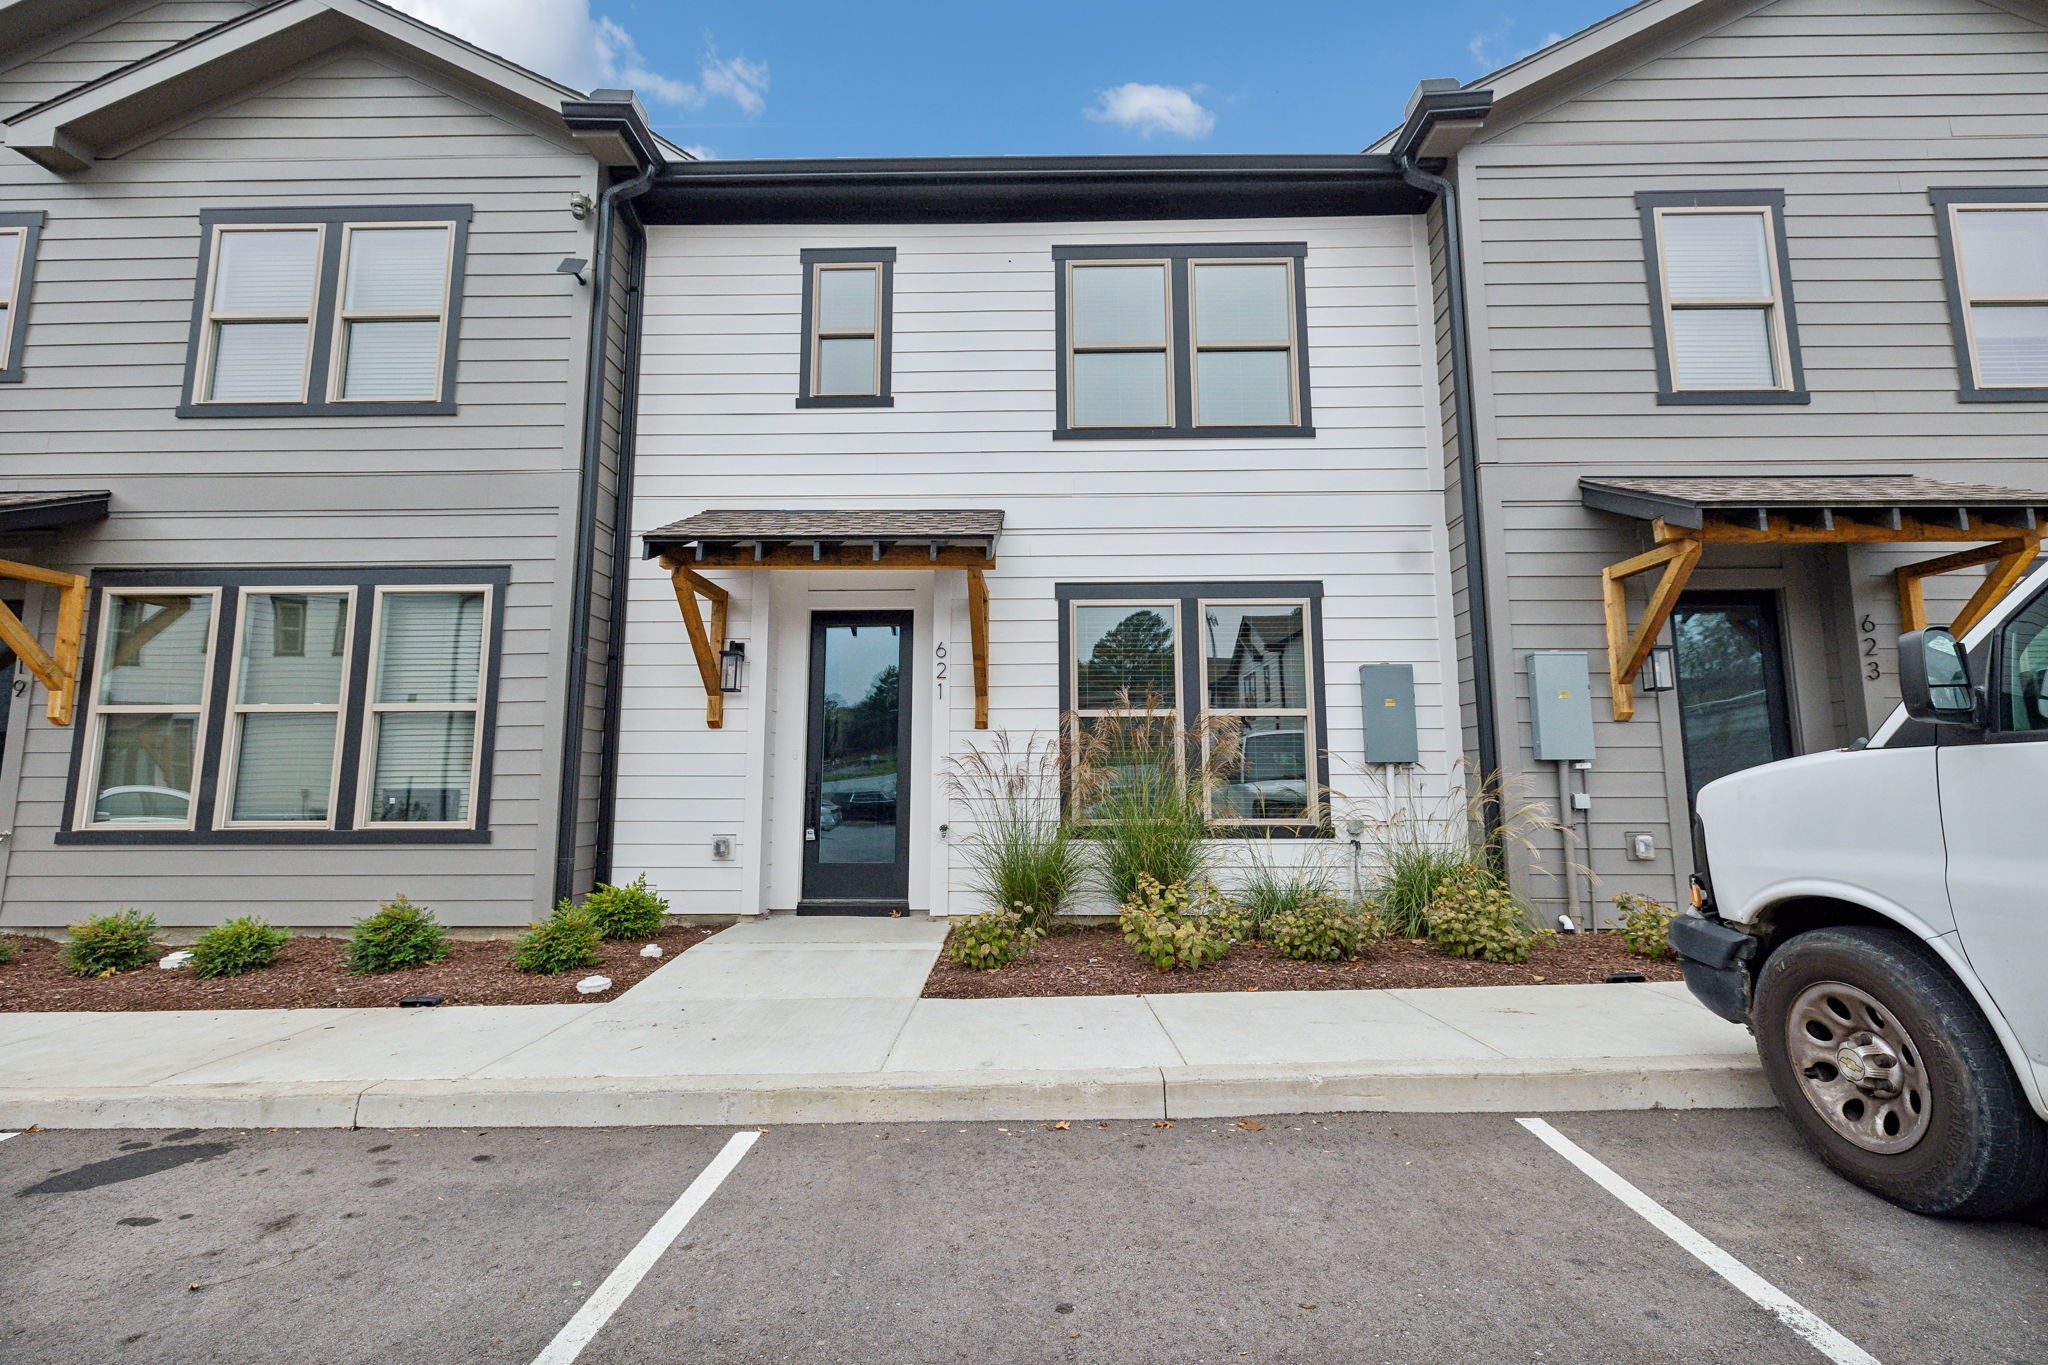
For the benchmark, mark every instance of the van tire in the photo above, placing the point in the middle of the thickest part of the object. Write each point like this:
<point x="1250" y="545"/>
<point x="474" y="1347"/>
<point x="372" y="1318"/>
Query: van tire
<point x="1984" y="1151"/>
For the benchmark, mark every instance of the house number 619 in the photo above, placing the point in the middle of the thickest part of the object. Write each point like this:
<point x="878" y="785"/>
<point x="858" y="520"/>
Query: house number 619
<point x="939" y="668"/>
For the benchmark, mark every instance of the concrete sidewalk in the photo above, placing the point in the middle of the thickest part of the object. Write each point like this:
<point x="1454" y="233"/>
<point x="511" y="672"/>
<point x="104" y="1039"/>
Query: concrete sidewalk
<point x="787" y="1021"/>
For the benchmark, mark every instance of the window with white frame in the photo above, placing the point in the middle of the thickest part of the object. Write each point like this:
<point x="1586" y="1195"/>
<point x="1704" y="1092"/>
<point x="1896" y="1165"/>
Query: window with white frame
<point x="1181" y="340"/>
<point x="19" y="234"/>
<point x="1996" y="245"/>
<point x="341" y="707"/>
<point x="1722" y="296"/>
<point x="1170" y="656"/>
<point x="327" y="311"/>
<point x="847" y="301"/>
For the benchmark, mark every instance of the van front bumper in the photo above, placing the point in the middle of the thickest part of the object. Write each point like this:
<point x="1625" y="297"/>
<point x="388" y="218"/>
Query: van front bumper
<point x="1715" y="960"/>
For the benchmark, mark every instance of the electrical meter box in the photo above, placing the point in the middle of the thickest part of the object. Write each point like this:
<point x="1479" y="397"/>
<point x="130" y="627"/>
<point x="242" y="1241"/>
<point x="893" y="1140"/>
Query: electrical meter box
<point x="1560" y="706"/>
<point x="1389" y="694"/>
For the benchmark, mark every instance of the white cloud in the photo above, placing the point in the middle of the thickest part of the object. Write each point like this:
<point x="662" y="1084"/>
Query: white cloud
<point x="1487" y="45"/>
<point x="1149" y="109"/>
<point x="562" y="39"/>
<point x="701" y="152"/>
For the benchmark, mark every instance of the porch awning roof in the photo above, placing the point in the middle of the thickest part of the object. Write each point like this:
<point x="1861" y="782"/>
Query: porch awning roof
<point x="1888" y="501"/>
<point x="866" y="538"/>
<point x="41" y="511"/>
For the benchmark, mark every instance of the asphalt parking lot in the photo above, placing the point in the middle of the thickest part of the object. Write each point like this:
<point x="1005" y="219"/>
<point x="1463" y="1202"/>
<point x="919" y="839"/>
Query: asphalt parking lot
<point x="1395" y="1238"/>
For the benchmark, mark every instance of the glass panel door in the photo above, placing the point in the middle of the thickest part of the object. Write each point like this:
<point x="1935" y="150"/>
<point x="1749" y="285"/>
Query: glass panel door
<point x="1731" y="684"/>
<point x="857" y="833"/>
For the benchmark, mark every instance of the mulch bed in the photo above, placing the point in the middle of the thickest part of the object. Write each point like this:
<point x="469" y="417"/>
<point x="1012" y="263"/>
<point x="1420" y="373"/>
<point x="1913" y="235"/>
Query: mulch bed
<point x="1095" y="961"/>
<point x="309" y="973"/>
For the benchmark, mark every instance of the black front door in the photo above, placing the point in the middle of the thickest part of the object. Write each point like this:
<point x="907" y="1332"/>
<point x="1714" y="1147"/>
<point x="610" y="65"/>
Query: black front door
<point x="856" y="801"/>
<point x="1731" y="684"/>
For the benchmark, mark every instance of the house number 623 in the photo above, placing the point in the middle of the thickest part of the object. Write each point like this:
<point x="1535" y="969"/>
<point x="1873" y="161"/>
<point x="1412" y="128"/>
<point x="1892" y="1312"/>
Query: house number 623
<point x="939" y="667"/>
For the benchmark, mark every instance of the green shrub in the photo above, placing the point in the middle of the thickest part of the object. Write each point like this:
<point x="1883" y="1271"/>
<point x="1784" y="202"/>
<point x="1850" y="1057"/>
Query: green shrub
<point x="6" y="951"/>
<point x="1324" y="929"/>
<point x="236" y="946"/>
<point x="1174" y="926"/>
<point x="1410" y="875"/>
<point x="993" y="939"/>
<point x="1238" y="923"/>
<point x="398" y="936"/>
<point x="568" y="939"/>
<point x="1271" y="886"/>
<point x="104" y="944"/>
<point x="1020" y="849"/>
<point x="1645" y="925"/>
<point x="1474" y="915"/>
<point x="630" y="911"/>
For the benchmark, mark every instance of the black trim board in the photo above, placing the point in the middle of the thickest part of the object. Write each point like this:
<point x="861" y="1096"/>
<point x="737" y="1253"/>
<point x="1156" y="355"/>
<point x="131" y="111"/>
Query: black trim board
<point x="1967" y="388"/>
<point x="55" y="510"/>
<point x="15" y="333"/>
<point x="885" y="337"/>
<point x="1180" y="341"/>
<point x="1668" y="395"/>
<point x="327" y="286"/>
<point x="207" y="762"/>
<point x="1190" y="596"/>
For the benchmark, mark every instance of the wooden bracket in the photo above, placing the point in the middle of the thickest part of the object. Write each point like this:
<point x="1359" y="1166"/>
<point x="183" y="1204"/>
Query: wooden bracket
<point x="2008" y="558"/>
<point x="705" y="642"/>
<point x="1626" y="652"/>
<point x="57" y="669"/>
<point x="977" y="622"/>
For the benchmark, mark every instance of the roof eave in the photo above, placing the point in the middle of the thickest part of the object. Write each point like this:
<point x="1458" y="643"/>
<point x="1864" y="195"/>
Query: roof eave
<point x="612" y="126"/>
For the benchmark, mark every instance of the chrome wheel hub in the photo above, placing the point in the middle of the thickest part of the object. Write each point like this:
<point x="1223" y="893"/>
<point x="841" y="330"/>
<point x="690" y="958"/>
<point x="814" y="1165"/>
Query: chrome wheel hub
<point x="1858" y="1067"/>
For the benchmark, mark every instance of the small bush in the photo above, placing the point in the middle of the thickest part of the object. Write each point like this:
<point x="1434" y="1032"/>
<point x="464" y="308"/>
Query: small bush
<point x="1645" y="925"/>
<point x="1273" y="886"/>
<point x="236" y="946"/>
<point x="993" y="939"/>
<point x="568" y="939"/>
<point x="1174" y="927"/>
<point x="1411" y="874"/>
<point x="104" y="944"/>
<point x="1020" y="850"/>
<point x="6" y="951"/>
<point x="1239" y="923"/>
<point x="1323" y="929"/>
<point x="398" y="936"/>
<point x="630" y="911"/>
<point x="1473" y="915"/>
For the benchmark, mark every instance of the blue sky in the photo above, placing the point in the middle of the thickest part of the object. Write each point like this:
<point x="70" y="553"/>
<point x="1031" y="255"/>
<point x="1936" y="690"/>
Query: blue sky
<point x="902" y="79"/>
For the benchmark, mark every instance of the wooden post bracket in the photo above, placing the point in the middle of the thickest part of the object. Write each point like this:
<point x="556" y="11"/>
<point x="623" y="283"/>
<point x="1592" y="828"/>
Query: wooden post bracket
<point x="705" y="642"/>
<point x="57" y="668"/>
<point x="1626" y="652"/>
<point x="2008" y="559"/>
<point x="977" y="624"/>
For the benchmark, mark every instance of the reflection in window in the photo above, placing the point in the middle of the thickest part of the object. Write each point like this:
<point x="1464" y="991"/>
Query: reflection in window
<point x="1255" y="667"/>
<point x="2023" y="654"/>
<point x="285" y="717"/>
<point x="146" y="711"/>
<point x="425" y="708"/>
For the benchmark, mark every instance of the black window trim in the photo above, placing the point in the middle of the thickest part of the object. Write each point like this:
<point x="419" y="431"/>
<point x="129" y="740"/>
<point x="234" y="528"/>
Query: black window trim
<point x="326" y="291"/>
<point x="1772" y="201"/>
<point x="1944" y="200"/>
<point x="229" y="583"/>
<point x="885" y="338"/>
<point x="1193" y="702"/>
<point x="30" y="225"/>
<point x="1180" y="340"/>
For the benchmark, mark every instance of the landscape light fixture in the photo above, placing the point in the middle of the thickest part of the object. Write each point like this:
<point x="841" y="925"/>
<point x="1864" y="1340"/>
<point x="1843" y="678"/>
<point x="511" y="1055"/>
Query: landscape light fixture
<point x="572" y="265"/>
<point x="1660" y="674"/>
<point x="732" y="662"/>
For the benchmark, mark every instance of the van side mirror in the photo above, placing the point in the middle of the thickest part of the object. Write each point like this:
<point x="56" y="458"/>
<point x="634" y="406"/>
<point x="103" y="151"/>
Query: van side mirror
<point x="1934" y="678"/>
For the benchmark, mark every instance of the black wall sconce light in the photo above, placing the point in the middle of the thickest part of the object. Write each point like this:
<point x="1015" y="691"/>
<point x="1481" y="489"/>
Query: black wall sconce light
<point x="732" y="663"/>
<point x="1660" y="673"/>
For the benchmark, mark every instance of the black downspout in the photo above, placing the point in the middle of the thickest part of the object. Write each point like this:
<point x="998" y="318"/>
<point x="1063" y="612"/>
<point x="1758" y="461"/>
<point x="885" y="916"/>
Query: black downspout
<point x="622" y="539"/>
<point x="586" y="530"/>
<point x="1490" y="774"/>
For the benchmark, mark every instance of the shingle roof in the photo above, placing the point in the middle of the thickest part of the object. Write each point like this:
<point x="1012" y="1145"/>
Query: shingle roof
<point x="40" y="511"/>
<point x="1684" y="499"/>
<point x="743" y="526"/>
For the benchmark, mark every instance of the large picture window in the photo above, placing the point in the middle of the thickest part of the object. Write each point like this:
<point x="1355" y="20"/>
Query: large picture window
<point x="1721" y="295"/>
<point x="1995" y="248"/>
<point x="320" y="705"/>
<point x="1181" y="341"/>
<point x="1250" y="652"/>
<point x="326" y="311"/>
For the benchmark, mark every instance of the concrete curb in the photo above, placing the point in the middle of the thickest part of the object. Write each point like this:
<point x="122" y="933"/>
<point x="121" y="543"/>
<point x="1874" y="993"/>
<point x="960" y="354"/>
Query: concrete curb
<point x="1504" y="1085"/>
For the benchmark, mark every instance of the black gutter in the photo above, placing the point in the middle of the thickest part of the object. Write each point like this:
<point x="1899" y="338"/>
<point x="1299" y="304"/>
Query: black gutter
<point x="1483" y="697"/>
<point x="586" y="529"/>
<point x="622" y="535"/>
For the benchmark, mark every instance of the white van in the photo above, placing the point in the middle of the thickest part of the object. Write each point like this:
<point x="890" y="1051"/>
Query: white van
<point x="1878" y="916"/>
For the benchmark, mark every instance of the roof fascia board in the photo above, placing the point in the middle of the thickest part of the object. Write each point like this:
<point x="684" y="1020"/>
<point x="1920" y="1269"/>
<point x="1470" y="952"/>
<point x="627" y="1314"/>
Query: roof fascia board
<point x="612" y="126"/>
<point x="1442" y="117"/>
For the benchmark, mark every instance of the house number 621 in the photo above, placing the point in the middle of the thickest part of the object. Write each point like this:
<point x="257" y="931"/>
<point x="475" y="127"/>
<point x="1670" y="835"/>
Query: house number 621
<point x="939" y="667"/>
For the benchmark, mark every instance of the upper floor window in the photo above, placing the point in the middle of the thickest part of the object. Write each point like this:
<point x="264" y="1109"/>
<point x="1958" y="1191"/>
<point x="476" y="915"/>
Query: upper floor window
<point x="327" y="311"/>
<point x="19" y="233"/>
<point x="1995" y="247"/>
<point x="847" y="301"/>
<point x="1181" y="341"/>
<point x="1721" y="293"/>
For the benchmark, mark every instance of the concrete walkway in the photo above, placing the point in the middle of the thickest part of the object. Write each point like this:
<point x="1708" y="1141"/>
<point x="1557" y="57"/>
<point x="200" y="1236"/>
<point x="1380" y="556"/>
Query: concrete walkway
<point x="818" y="1020"/>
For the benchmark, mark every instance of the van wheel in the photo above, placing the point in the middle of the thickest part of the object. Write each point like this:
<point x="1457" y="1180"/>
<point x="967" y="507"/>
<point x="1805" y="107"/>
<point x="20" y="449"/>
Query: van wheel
<point x="1892" y="1076"/>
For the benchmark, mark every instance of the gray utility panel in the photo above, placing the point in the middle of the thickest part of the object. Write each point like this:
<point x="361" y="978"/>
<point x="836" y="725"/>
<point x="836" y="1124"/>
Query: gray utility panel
<point x="1560" y="706"/>
<point x="1389" y="695"/>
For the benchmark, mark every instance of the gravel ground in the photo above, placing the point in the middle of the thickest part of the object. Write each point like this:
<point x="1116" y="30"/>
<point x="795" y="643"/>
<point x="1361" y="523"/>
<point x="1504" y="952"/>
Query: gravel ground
<point x="309" y="973"/>
<point x="1095" y="961"/>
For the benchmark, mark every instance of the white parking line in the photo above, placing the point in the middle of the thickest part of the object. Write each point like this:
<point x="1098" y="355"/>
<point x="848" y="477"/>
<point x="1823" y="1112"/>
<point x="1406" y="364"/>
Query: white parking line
<point x="5" y="1136"/>
<point x="1766" y="1295"/>
<point x="626" y="1276"/>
